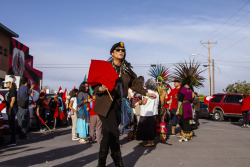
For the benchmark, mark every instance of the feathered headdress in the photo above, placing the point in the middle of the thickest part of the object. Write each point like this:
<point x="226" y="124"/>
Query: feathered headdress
<point x="160" y="73"/>
<point x="189" y="73"/>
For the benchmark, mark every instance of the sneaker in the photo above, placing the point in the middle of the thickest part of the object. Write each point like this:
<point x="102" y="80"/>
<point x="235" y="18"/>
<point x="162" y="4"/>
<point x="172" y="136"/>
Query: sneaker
<point x="9" y="144"/>
<point x="75" y="138"/>
<point x="243" y="126"/>
<point x="183" y="140"/>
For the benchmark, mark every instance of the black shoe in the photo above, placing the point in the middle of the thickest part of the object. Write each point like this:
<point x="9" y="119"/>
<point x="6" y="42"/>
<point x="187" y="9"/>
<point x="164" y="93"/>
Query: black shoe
<point x="117" y="158"/>
<point x="9" y="144"/>
<point x="25" y="138"/>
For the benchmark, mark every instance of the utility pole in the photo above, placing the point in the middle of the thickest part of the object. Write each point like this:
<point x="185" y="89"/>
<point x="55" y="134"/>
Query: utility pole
<point x="213" y="77"/>
<point x="209" y="66"/>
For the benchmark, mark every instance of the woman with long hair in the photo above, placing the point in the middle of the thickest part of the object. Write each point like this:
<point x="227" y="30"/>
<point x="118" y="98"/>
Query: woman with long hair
<point x="110" y="111"/>
<point x="83" y="116"/>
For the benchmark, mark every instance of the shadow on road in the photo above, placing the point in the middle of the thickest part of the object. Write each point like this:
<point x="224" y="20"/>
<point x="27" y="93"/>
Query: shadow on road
<point x="131" y="158"/>
<point x="47" y="156"/>
<point x="236" y="123"/>
<point x="39" y="137"/>
<point x="80" y="161"/>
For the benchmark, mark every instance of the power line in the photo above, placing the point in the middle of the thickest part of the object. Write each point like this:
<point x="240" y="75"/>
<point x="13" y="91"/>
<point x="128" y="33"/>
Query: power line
<point x="229" y="26"/>
<point x="233" y="61"/>
<point x="232" y="45"/>
<point x="232" y="33"/>
<point x="234" y="66"/>
<point x="228" y="19"/>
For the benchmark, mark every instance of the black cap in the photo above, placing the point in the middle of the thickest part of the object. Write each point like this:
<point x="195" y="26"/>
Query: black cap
<point x="119" y="44"/>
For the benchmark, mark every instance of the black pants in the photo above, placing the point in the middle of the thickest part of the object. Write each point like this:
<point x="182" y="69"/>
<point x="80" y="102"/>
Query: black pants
<point x="186" y="127"/>
<point x="110" y="128"/>
<point x="12" y="123"/>
<point x="196" y="118"/>
<point x="50" y="117"/>
<point x="42" y="115"/>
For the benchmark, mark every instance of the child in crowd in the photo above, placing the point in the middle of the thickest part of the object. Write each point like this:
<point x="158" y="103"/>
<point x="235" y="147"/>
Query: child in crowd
<point x="95" y="122"/>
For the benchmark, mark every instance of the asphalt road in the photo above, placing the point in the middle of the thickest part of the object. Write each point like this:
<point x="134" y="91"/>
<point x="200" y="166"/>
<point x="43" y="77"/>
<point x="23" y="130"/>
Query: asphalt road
<point x="216" y="144"/>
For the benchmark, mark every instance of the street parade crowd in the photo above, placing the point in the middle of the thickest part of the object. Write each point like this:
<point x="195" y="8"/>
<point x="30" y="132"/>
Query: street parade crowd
<point x="101" y="110"/>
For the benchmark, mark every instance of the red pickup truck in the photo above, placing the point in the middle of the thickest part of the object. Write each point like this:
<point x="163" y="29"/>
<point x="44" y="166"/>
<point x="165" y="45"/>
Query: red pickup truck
<point x="226" y="106"/>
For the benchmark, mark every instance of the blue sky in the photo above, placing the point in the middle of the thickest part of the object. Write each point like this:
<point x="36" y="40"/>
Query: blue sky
<point x="71" y="33"/>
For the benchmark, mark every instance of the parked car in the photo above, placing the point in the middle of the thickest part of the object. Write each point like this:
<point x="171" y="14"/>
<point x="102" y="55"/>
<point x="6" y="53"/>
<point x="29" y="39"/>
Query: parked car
<point x="226" y="106"/>
<point x="204" y="113"/>
<point x="3" y="114"/>
<point x="50" y="95"/>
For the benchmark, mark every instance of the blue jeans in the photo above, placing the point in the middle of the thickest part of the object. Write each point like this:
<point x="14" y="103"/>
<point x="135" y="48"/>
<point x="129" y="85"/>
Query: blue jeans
<point x="12" y="124"/>
<point x="174" y="117"/>
<point x="245" y="115"/>
<point x="23" y="117"/>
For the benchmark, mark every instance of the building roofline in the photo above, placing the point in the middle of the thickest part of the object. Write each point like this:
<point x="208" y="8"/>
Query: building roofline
<point x="8" y="31"/>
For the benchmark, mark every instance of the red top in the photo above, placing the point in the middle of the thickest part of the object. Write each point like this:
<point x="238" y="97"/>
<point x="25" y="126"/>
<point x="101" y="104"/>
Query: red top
<point x="174" y="94"/>
<point x="91" y="108"/>
<point x="246" y="104"/>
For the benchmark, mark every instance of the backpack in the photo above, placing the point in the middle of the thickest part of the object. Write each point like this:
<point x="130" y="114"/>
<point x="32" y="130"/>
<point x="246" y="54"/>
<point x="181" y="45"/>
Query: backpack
<point x="127" y="115"/>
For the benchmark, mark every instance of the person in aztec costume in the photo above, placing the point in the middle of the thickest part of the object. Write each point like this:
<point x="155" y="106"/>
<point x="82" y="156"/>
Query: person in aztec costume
<point x="162" y="75"/>
<point x="189" y="75"/>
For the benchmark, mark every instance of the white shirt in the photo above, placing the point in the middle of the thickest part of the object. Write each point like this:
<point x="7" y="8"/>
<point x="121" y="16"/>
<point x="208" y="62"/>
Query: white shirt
<point x="131" y="92"/>
<point x="151" y="107"/>
<point x="74" y="103"/>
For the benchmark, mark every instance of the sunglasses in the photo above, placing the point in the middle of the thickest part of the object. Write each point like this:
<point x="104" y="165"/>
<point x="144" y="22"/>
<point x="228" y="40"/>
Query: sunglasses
<point x="118" y="50"/>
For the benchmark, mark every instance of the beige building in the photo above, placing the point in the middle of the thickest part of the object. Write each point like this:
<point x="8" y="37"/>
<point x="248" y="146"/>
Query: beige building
<point x="5" y="36"/>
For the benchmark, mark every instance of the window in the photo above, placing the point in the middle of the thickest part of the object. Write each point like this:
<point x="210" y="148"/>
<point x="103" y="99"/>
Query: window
<point x="1" y="50"/>
<point x="5" y="52"/>
<point x="217" y="98"/>
<point x="229" y="99"/>
<point x="237" y="98"/>
<point x="233" y="99"/>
